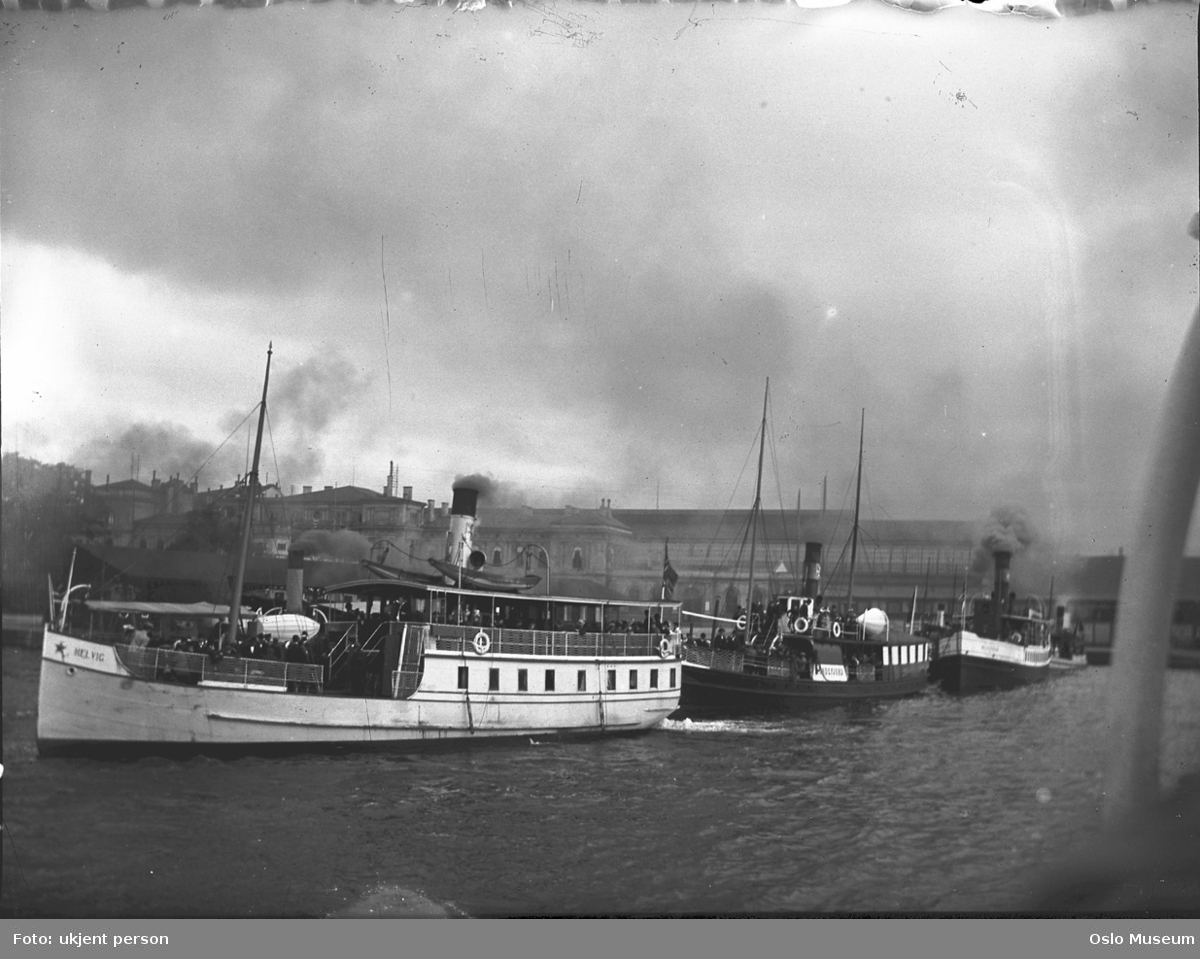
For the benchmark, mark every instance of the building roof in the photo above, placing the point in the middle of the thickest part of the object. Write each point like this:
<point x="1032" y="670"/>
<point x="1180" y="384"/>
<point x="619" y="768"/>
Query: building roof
<point x="505" y="518"/>
<point x="341" y="496"/>
<point x="122" y="486"/>
<point x="824" y="526"/>
<point x="1099" y="578"/>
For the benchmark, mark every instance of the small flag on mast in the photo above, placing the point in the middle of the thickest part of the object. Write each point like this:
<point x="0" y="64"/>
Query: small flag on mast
<point x="669" y="577"/>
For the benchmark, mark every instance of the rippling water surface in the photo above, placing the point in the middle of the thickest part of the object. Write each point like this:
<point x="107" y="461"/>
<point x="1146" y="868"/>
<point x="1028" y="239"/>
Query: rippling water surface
<point x="927" y="804"/>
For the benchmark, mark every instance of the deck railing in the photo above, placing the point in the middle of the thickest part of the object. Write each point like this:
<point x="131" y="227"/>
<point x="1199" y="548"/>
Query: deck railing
<point x="544" y="642"/>
<point x="150" y="663"/>
<point x="405" y="682"/>
<point x="727" y="660"/>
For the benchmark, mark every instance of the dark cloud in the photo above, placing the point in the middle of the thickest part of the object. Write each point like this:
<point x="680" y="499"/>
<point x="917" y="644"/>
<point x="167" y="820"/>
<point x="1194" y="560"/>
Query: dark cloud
<point x="602" y="249"/>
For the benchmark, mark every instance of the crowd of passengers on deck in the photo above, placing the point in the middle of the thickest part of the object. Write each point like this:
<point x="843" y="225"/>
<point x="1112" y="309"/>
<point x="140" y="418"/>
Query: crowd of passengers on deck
<point x="250" y="643"/>
<point x="508" y="618"/>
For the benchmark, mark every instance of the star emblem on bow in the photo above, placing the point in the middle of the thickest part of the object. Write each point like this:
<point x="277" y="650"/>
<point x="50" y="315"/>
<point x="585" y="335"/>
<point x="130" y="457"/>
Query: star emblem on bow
<point x="61" y="650"/>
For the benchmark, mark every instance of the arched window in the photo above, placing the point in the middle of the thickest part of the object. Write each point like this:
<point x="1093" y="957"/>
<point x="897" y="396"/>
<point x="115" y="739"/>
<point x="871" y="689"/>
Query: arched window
<point x="497" y="557"/>
<point x="577" y="559"/>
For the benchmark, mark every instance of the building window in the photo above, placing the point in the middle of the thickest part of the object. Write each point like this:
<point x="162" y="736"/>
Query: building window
<point x="523" y="680"/>
<point x="672" y="677"/>
<point x="577" y="559"/>
<point x="549" y="680"/>
<point x="654" y="679"/>
<point x="464" y="673"/>
<point x="493" y="680"/>
<point x="612" y="679"/>
<point x="497" y="557"/>
<point x="633" y="679"/>
<point x="581" y="680"/>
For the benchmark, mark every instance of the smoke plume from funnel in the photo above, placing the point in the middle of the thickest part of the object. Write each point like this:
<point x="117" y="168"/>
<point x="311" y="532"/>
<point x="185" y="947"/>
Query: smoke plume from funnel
<point x="342" y="544"/>
<point x="485" y="486"/>
<point x="1009" y="530"/>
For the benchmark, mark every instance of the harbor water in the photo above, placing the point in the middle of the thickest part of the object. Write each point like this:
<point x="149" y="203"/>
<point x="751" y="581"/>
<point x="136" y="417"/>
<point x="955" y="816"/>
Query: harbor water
<point x="929" y="804"/>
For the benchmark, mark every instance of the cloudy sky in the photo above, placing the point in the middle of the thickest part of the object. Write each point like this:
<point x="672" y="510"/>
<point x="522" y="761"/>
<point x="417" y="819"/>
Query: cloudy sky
<point x="567" y="244"/>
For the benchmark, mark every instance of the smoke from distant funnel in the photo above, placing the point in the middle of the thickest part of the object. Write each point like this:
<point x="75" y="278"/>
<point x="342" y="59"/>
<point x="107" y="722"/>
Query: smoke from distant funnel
<point x="483" y="486"/>
<point x="342" y="544"/>
<point x="1008" y="530"/>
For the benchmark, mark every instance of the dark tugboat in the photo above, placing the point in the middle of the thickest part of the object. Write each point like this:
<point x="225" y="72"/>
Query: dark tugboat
<point x="798" y="652"/>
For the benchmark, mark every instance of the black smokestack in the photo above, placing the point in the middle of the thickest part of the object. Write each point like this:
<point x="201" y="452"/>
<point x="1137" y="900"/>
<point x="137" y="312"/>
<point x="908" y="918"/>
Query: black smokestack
<point x="465" y="501"/>
<point x="1002" y="558"/>
<point x="295" y="581"/>
<point x="484" y="486"/>
<point x="459" y="548"/>
<point x="812" y="570"/>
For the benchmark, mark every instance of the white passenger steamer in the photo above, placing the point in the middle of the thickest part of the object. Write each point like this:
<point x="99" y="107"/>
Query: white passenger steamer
<point x="448" y="662"/>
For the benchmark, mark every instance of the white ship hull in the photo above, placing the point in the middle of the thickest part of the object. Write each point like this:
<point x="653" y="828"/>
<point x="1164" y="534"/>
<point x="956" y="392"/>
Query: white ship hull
<point x="88" y="696"/>
<point x="967" y="663"/>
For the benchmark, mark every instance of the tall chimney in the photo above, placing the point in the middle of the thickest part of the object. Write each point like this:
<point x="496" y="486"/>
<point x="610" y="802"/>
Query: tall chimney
<point x="1001" y="559"/>
<point x="812" y="570"/>
<point x="462" y="524"/>
<point x="295" y="581"/>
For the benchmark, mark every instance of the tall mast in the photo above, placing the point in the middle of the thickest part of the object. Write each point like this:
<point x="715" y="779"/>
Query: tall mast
<point x="235" y="605"/>
<point x="796" y="570"/>
<point x="762" y="440"/>
<point x="857" y="500"/>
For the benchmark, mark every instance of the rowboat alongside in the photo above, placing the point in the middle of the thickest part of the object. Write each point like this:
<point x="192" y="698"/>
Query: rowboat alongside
<point x="449" y="663"/>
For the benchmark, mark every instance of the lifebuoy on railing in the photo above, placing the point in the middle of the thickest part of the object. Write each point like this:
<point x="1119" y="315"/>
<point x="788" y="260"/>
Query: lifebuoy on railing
<point x="837" y="630"/>
<point x="1015" y="638"/>
<point x="664" y="648"/>
<point x="482" y="643"/>
<point x="802" y="624"/>
<point x="741" y="622"/>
